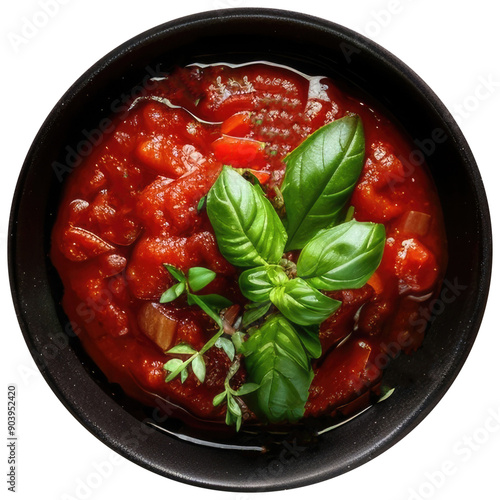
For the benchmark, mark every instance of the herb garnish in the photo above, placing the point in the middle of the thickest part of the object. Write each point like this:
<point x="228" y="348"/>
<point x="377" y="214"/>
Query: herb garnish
<point x="279" y="331"/>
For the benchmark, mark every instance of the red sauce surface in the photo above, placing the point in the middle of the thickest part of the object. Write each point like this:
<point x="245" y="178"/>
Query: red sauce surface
<point x="132" y="206"/>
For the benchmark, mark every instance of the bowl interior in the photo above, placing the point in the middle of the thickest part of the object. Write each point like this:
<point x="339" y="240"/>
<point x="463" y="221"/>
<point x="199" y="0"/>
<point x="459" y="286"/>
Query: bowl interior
<point x="313" y="46"/>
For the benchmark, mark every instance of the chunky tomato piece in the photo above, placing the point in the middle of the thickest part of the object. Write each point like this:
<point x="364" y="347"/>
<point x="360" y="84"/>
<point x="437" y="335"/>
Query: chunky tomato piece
<point x="379" y="194"/>
<point x="343" y="376"/>
<point x="237" y="125"/>
<point x="413" y="264"/>
<point x="240" y="152"/>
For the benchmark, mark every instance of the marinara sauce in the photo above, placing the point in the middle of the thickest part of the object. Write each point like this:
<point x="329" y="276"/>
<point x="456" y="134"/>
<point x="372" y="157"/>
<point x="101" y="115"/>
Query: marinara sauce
<point x="134" y="204"/>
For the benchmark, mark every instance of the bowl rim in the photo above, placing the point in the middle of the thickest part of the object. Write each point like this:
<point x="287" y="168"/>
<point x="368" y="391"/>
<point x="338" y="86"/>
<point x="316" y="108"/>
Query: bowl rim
<point x="50" y="371"/>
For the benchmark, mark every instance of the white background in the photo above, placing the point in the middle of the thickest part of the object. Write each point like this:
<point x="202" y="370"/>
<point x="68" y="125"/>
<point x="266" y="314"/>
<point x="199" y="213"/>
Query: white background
<point x="453" y="45"/>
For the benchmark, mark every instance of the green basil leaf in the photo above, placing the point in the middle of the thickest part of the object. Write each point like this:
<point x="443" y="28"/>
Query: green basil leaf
<point x="309" y="336"/>
<point x="248" y="230"/>
<point x="342" y="257"/>
<point x="254" y="311"/>
<point x="275" y="359"/>
<point x="320" y="176"/>
<point x="176" y="273"/>
<point x="199" y="277"/>
<point x="199" y="368"/>
<point x="257" y="283"/>
<point x="301" y="303"/>
<point x="173" y="292"/>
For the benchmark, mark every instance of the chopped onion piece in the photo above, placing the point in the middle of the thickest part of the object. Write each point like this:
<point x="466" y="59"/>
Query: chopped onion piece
<point x="416" y="223"/>
<point x="157" y="324"/>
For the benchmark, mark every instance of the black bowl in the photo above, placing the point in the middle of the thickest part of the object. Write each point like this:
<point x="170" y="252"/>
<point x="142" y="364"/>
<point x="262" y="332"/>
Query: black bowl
<point x="313" y="46"/>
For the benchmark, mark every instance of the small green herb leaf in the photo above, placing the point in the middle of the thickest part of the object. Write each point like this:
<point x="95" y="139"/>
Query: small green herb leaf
<point x="246" y="389"/>
<point x="303" y="304"/>
<point x="181" y="349"/>
<point x="320" y="176"/>
<point x="176" y="273"/>
<point x="385" y="392"/>
<point x="173" y="364"/>
<point x="207" y="308"/>
<point x="199" y="368"/>
<point x="173" y="293"/>
<point x="233" y="407"/>
<point x="219" y="398"/>
<point x="227" y="346"/>
<point x="277" y="362"/>
<point x="342" y="257"/>
<point x="184" y="375"/>
<point x="199" y="277"/>
<point x="248" y="230"/>
<point x="256" y="283"/>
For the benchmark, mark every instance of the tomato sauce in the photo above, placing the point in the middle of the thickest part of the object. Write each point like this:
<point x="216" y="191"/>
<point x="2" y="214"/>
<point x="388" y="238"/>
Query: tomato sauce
<point x="133" y="204"/>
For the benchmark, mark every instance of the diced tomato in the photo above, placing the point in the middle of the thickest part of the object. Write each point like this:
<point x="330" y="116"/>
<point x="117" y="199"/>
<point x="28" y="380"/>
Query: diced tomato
<point x="237" y="125"/>
<point x="261" y="176"/>
<point x="379" y="194"/>
<point x="240" y="152"/>
<point x="163" y="154"/>
<point x="412" y="262"/>
<point x="344" y="375"/>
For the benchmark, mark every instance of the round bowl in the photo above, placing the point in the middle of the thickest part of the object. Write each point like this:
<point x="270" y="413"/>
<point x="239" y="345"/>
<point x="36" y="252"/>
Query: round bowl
<point x="313" y="46"/>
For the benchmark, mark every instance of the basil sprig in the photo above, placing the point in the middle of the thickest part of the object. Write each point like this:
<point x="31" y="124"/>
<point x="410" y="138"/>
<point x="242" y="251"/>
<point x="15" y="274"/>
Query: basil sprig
<point x="196" y="279"/>
<point x="320" y="176"/>
<point x="279" y="329"/>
